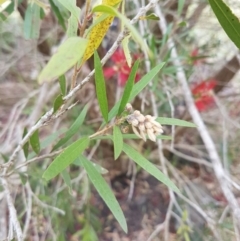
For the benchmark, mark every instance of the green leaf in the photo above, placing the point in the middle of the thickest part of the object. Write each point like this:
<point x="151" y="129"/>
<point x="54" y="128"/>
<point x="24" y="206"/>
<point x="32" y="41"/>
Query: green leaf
<point x="66" y="158"/>
<point x="73" y="129"/>
<point x="127" y="51"/>
<point x="72" y="26"/>
<point x="42" y="13"/>
<point x="62" y="82"/>
<point x="149" y="167"/>
<point x="105" y="192"/>
<point x="229" y="22"/>
<point x="58" y="14"/>
<point x="52" y="138"/>
<point x="31" y="23"/>
<point x="66" y="177"/>
<point x="135" y="34"/>
<point x="174" y="122"/>
<point x="128" y="87"/>
<point x="35" y="143"/>
<point x="7" y="11"/>
<point x="67" y="55"/>
<point x="137" y="88"/>
<point x="98" y="168"/>
<point x="152" y="16"/>
<point x="5" y="158"/>
<point x="165" y="38"/>
<point x="57" y="103"/>
<point x="24" y="178"/>
<point x="117" y="141"/>
<point x="70" y="5"/>
<point x="26" y="145"/>
<point x="182" y="24"/>
<point x="100" y="87"/>
<point x="180" y="6"/>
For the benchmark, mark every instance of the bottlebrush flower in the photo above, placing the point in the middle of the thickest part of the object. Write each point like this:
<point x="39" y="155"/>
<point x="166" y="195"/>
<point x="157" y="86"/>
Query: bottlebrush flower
<point x="202" y="94"/>
<point x="120" y="68"/>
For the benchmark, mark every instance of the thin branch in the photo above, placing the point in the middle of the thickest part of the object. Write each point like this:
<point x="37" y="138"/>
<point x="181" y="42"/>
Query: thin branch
<point x="12" y="211"/>
<point x="157" y="230"/>
<point x="189" y="158"/>
<point x="224" y="214"/>
<point x="172" y="115"/>
<point x="38" y="158"/>
<point x="28" y="210"/>
<point x="132" y="183"/>
<point x="44" y="205"/>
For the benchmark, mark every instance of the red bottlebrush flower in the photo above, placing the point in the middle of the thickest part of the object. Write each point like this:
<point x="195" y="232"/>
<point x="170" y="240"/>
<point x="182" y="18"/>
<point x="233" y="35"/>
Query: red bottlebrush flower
<point x="120" y="68"/>
<point x="202" y="94"/>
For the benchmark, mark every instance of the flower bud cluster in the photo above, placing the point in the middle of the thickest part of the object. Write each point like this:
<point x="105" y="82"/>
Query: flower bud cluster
<point x="144" y="125"/>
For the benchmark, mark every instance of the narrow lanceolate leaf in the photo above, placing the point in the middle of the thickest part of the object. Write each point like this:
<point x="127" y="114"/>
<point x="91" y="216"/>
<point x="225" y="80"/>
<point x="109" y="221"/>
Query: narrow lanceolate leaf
<point x="72" y="26"/>
<point x="137" y="88"/>
<point x="97" y="33"/>
<point x="180" y="6"/>
<point x="57" y="103"/>
<point x="58" y="14"/>
<point x="66" y="158"/>
<point x="70" y="5"/>
<point x="31" y="23"/>
<point x="99" y="168"/>
<point x="105" y="192"/>
<point x="151" y="16"/>
<point x="117" y="141"/>
<point x="174" y="122"/>
<point x="5" y="158"/>
<point x="73" y="21"/>
<point x="128" y="87"/>
<point x="67" y="55"/>
<point x="26" y="145"/>
<point x="127" y="51"/>
<point x="135" y="34"/>
<point x="24" y="178"/>
<point x="229" y="22"/>
<point x="7" y="11"/>
<point x="62" y="83"/>
<point x="148" y="166"/>
<point x="100" y="87"/>
<point x="73" y="129"/>
<point x="67" y="179"/>
<point x="35" y="143"/>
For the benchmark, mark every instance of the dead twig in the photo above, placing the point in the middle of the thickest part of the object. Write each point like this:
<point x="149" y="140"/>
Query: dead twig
<point x="12" y="211"/>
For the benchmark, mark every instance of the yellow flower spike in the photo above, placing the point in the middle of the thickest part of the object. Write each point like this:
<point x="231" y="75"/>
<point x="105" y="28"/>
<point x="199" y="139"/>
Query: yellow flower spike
<point x="98" y="32"/>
